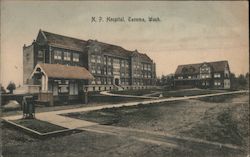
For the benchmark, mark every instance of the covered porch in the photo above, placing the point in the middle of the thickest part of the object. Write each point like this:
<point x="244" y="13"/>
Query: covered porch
<point x="60" y="83"/>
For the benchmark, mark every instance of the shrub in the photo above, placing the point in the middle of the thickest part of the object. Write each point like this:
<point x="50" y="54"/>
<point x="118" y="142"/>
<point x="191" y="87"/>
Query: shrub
<point x="11" y="87"/>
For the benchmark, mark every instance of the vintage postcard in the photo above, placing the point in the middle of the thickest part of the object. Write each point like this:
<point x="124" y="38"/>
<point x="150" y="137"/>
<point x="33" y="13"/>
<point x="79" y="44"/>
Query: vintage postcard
<point x="124" y="78"/>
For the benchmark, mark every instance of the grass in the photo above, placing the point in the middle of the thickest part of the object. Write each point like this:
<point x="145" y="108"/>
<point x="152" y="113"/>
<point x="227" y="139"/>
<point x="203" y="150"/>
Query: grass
<point x="38" y="125"/>
<point x="227" y="125"/>
<point x="17" y="144"/>
<point x="218" y="99"/>
<point x="182" y="93"/>
<point x="220" y="122"/>
<point x="135" y="92"/>
<point x="176" y="93"/>
<point x="110" y="99"/>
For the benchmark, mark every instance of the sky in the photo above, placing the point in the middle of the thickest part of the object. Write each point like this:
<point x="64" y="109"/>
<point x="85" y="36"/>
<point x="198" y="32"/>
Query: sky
<point x="188" y="31"/>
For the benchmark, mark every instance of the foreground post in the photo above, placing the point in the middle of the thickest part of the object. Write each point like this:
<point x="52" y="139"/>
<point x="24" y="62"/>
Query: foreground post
<point x="28" y="107"/>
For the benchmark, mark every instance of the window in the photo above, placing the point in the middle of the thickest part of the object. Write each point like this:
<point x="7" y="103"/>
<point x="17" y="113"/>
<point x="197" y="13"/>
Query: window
<point x="73" y="88"/>
<point x="93" y="71"/>
<point x="180" y="77"/>
<point x="217" y="83"/>
<point x="98" y="70"/>
<point x="109" y="71"/>
<point x="98" y="59"/>
<point x="57" y="54"/>
<point x="105" y="70"/>
<point x="92" y="59"/>
<point x="66" y="56"/>
<point x="149" y="67"/>
<point x="93" y="82"/>
<point x="122" y="63"/>
<point x="98" y="80"/>
<point x="104" y="80"/>
<point x="217" y="75"/>
<point x="126" y="64"/>
<point x="40" y="54"/>
<point x="109" y="61"/>
<point x="109" y="80"/>
<point x="76" y="57"/>
<point x="104" y="60"/>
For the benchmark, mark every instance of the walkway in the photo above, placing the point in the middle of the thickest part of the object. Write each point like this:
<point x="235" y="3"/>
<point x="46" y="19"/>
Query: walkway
<point x="127" y="96"/>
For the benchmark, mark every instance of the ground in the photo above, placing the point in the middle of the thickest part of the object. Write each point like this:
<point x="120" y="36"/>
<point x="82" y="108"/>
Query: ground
<point x="17" y="144"/>
<point x="224" y="120"/>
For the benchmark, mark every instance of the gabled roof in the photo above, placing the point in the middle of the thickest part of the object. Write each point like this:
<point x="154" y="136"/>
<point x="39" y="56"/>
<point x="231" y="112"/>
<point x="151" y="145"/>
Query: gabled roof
<point x="217" y="66"/>
<point x="145" y="57"/>
<point x="111" y="49"/>
<point x="63" y="41"/>
<point x="63" y="71"/>
<point x="70" y="43"/>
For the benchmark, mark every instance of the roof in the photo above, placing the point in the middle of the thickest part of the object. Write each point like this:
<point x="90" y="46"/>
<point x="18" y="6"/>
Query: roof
<point x="217" y="66"/>
<point x="111" y="49"/>
<point x="64" y="71"/>
<point x="64" y="41"/>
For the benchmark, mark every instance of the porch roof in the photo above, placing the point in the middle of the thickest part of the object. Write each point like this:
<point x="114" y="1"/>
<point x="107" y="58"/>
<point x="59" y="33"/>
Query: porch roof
<point x="64" y="71"/>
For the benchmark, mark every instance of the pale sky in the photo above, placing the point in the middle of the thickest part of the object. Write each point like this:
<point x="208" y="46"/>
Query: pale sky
<point x="189" y="32"/>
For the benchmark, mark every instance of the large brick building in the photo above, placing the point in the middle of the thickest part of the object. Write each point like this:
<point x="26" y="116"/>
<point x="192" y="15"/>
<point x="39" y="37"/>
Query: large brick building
<point x="103" y="66"/>
<point x="203" y="75"/>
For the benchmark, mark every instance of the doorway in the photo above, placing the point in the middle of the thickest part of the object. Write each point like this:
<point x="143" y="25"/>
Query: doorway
<point x="117" y="81"/>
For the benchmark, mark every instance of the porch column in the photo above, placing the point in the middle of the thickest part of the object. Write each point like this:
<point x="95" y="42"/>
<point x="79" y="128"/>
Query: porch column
<point x="44" y="83"/>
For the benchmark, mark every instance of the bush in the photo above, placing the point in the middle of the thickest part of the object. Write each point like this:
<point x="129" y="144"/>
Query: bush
<point x="2" y="90"/>
<point x="11" y="87"/>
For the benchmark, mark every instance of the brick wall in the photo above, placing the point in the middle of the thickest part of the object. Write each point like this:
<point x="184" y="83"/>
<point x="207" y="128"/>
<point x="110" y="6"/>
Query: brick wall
<point x="28" y="63"/>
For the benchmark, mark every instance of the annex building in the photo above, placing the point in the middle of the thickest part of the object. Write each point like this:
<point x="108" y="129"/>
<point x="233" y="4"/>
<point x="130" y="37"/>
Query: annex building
<point x="214" y="75"/>
<point x="61" y="64"/>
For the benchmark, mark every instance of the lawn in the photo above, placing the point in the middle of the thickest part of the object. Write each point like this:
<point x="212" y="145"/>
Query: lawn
<point x="90" y="144"/>
<point x="181" y="93"/>
<point x="38" y="125"/>
<point x="136" y="92"/>
<point x="167" y="94"/>
<point x="225" y="122"/>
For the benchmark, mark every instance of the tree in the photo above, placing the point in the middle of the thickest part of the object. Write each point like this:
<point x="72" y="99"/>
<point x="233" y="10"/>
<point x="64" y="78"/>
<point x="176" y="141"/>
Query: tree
<point x="2" y="90"/>
<point x="167" y="81"/>
<point x="11" y="87"/>
<point x="242" y="81"/>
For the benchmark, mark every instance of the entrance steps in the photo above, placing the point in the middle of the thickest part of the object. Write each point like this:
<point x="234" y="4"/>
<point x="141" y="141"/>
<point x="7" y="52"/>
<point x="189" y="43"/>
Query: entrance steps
<point x="119" y="88"/>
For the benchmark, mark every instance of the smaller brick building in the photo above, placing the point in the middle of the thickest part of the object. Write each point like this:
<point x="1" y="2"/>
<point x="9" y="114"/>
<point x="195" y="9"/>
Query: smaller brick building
<point x="214" y="75"/>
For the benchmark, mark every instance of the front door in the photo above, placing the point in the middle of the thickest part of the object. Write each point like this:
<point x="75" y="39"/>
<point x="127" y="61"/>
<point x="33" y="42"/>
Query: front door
<point x="117" y="81"/>
<point x="63" y="91"/>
